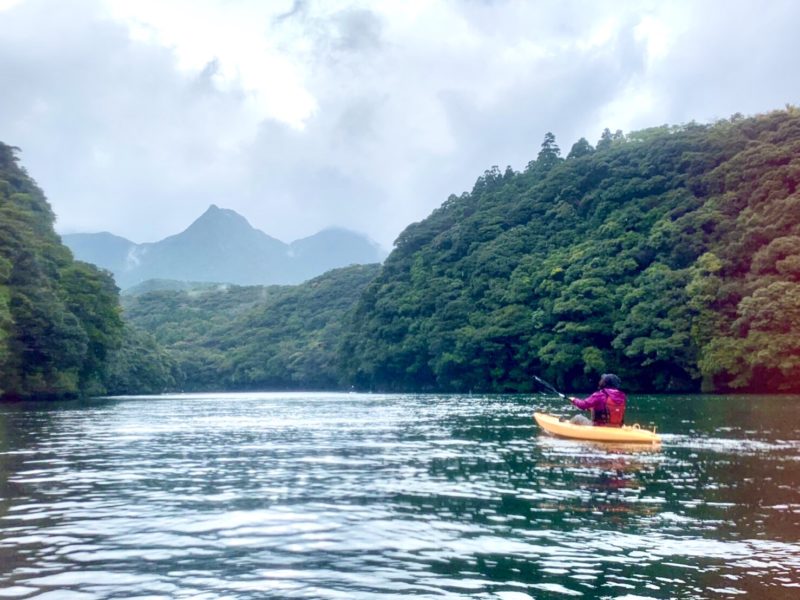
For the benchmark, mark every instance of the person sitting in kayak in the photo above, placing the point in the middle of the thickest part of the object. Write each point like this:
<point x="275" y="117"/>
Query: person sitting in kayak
<point x="607" y="404"/>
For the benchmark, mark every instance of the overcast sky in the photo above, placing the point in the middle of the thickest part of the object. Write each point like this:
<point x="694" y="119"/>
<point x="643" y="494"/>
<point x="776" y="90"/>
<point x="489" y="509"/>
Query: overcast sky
<point x="134" y="116"/>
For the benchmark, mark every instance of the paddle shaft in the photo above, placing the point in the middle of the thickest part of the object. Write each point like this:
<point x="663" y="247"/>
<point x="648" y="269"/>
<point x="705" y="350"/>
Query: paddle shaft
<point x="550" y="387"/>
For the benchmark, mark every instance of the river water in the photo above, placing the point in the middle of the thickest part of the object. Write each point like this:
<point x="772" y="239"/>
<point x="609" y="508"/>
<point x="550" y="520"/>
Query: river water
<point x="276" y="495"/>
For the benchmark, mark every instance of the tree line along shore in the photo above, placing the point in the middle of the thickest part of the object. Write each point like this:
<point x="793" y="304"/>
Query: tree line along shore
<point x="670" y="256"/>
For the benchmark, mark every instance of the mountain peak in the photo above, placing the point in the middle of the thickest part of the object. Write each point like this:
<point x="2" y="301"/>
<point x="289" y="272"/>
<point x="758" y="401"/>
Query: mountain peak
<point x="214" y="211"/>
<point x="222" y="245"/>
<point x="221" y="220"/>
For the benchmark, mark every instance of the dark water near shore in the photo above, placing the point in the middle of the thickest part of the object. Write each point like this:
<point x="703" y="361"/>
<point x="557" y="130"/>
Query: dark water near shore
<point x="368" y="496"/>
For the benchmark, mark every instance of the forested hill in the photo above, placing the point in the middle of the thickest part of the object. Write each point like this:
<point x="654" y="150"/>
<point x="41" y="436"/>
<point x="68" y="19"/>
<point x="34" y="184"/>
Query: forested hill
<point x="59" y="318"/>
<point x="669" y="255"/>
<point x="253" y="337"/>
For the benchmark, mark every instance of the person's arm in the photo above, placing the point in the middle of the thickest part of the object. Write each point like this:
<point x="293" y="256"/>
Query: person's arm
<point x="588" y="403"/>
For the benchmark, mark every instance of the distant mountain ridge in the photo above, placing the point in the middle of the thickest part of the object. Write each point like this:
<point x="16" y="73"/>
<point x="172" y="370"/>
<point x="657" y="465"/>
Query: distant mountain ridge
<point x="222" y="246"/>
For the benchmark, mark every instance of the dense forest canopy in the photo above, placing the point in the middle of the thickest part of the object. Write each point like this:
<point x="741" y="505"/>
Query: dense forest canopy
<point x="59" y="318"/>
<point x="253" y="337"/>
<point x="669" y="255"/>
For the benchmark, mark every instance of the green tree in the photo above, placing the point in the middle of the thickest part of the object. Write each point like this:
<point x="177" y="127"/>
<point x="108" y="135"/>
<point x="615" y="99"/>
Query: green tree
<point x="605" y="141"/>
<point x="580" y="148"/>
<point x="58" y="318"/>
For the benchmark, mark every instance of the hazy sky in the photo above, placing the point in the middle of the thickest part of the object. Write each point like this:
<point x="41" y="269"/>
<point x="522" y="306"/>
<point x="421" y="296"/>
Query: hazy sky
<point x="134" y="116"/>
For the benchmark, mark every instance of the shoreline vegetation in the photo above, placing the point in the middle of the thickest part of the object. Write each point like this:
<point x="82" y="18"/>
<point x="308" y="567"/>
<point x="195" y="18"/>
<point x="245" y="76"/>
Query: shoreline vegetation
<point x="670" y="256"/>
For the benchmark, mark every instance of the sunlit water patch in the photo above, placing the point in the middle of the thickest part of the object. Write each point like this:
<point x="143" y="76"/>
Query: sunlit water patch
<point x="372" y="496"/>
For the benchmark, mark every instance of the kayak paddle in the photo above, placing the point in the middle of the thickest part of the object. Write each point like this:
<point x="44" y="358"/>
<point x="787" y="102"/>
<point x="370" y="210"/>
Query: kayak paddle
<point x="551" y="388"/>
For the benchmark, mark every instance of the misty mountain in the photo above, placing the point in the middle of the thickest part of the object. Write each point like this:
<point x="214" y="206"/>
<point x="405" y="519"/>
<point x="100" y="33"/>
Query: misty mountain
<point x="221" y="246"/>
<point x="104" y="249"/>
<point x="331" y="249"/>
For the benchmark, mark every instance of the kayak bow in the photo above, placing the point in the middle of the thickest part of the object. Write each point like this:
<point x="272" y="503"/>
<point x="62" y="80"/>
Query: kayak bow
<point x="626" y="433"/>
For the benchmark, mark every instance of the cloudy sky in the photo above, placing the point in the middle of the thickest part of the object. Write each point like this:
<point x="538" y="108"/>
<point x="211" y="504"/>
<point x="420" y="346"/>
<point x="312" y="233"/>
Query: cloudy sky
<point x="134" y="116"/>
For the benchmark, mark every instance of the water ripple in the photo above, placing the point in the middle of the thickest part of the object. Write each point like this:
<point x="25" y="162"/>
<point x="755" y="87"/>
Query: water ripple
<point x="377" y="496"/>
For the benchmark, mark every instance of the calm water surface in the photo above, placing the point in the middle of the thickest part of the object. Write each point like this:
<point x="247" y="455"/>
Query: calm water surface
<point x="367" y="496"/>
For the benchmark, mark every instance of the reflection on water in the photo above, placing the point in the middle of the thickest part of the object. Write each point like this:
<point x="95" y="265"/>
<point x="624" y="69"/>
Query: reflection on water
<point x="368" y="496"/>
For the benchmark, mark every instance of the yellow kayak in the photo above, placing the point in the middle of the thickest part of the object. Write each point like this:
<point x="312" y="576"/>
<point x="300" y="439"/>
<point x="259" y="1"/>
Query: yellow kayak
<point x="626" y="433"/>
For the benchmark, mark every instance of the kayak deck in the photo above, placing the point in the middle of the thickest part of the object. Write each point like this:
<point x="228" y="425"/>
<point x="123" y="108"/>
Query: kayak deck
<point x="552" y="424"/>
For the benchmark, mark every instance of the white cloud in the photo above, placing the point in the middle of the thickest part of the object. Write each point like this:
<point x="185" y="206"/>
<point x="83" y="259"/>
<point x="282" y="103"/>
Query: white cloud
<point x="306" y="114"/>
<point x="6" y="4"/>
<point x="237" y="39"/>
